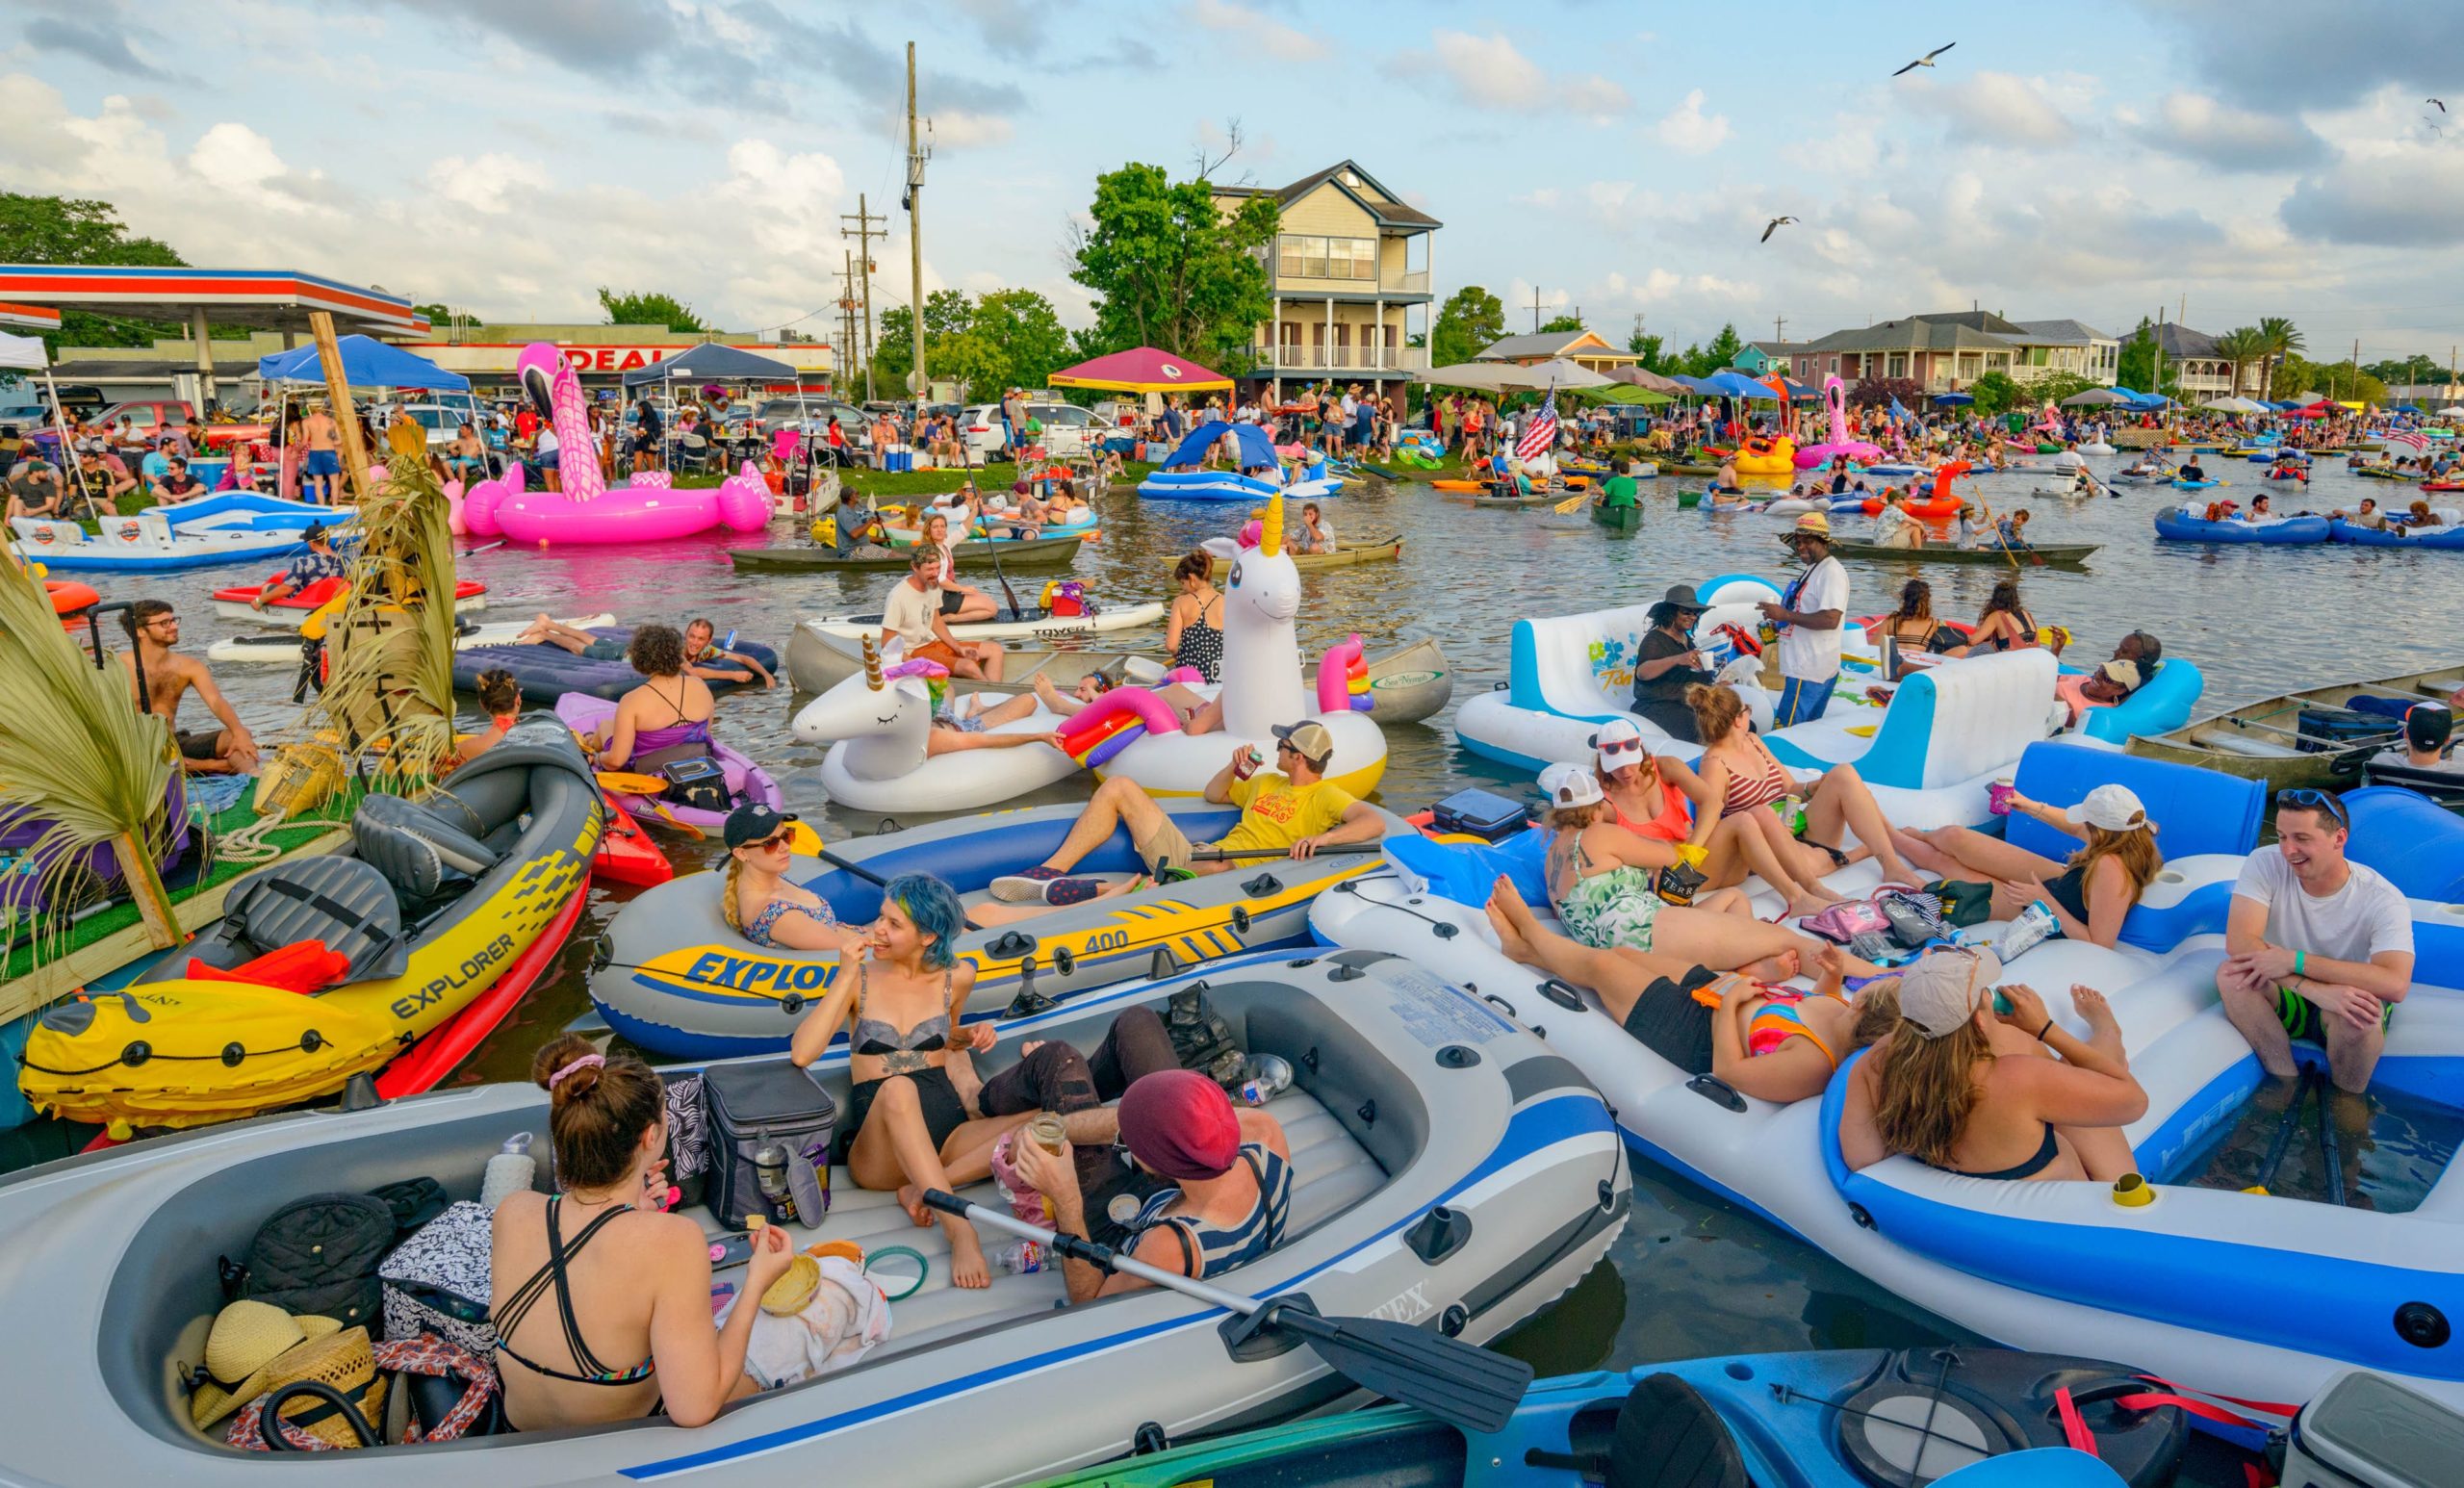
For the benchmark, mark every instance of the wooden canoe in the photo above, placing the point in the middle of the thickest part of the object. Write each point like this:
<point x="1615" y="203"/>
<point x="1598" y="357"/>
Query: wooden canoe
<point x="2058" y="554"/>
<point x="1046" y="553"/>
<point x="1374" y="550"/>
<point x="1408" y="684"/>
<point x="2266" y="741"/>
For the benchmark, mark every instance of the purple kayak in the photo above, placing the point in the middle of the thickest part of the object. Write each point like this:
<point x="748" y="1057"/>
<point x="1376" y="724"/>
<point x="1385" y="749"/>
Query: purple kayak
<point x="748" y="783"/>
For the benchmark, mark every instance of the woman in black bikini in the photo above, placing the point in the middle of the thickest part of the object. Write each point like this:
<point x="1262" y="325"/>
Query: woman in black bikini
<point x="1194" y="631"/>
<point x="1962" y="1086"/>
<point x="901" y="1008"/>
<point x="2089" y="895"/>
<point x="617" y="1274"/>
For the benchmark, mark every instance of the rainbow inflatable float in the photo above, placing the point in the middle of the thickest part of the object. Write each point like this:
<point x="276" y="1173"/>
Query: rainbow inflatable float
<point x="646" y="509"/>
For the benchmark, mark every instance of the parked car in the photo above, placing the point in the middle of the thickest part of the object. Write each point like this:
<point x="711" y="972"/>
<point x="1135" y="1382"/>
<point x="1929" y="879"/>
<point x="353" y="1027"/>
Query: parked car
<point x="788" y="413"/>
<point x="1068" y="429"/>
<point x="150" y="417"/>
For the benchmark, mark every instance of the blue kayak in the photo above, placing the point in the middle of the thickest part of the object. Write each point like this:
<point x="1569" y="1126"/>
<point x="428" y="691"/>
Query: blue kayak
<point x="2289" y="532"/>
<point x="2447" y="538"/>
<point x="2194" y="485"/>
<point x="1843" y="1418"/>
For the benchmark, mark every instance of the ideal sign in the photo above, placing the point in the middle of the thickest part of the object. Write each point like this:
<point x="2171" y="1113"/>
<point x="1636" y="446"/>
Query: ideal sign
<point x="614" y="359"/>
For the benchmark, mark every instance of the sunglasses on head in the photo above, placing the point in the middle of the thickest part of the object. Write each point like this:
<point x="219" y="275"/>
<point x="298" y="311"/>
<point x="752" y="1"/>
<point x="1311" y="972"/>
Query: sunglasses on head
<point x="2307" y="798"/>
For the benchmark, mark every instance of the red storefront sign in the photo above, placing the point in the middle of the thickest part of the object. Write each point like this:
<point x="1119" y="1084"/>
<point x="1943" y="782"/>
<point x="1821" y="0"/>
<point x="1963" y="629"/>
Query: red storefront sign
<point x="615" y="359"/>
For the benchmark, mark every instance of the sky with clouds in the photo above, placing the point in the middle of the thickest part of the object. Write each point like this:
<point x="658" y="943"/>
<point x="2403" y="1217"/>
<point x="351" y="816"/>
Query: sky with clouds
<point x="2258" y="156"/>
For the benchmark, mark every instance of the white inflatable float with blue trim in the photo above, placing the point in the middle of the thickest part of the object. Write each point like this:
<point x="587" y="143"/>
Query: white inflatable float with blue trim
<point x="1179" y="480"/>
<point x="2243" y="1293"/>
<point x="233" y="528"/>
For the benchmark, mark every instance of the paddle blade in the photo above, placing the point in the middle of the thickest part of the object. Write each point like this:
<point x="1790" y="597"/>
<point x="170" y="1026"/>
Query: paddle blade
<point x="626" y="782"/>
<point x="1460" y="1383"/>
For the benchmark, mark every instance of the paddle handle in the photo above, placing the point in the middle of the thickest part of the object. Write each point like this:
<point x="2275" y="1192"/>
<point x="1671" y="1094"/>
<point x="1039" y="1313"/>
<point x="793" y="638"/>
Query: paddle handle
<point x="858" y="869"/>
<point x="1103" y="1258"/>
<point x="1239" y="854"/>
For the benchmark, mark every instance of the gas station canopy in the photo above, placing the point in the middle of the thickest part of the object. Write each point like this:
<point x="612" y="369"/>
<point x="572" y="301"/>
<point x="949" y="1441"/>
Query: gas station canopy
<point x="274" y="299"/>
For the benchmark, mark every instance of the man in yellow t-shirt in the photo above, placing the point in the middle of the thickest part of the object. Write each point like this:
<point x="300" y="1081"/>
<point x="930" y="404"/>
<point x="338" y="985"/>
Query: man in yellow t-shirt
<point x="1289" y="809"/>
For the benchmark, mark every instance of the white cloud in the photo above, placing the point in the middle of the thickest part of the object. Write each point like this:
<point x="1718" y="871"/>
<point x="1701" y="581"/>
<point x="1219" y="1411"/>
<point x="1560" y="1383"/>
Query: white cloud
<point x="1488" y="72"/>
<point x="1996" y="108"/>
<point x="494" y="183"/>
<point x="1687" y="129"/>
<point x="1285" y="43"/>
<point x="2213" y="133"/>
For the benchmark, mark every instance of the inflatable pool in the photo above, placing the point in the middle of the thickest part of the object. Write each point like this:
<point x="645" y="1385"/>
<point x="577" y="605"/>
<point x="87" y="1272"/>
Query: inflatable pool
<point x="2450" y="537"/>
<point x="2180" y="485"/>
<point x="1223" y="485"/>
<point x="2178" y="525"/>
<point x="2247" y="1292"/>
<point x="646" y="508"/>
<point x="748" y="783"/>
<point x="547" y="673"/>
<point x="1897" y="470"/>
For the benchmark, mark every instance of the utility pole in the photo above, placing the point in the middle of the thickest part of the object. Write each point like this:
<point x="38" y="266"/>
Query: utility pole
<point x="2356" y="366"/>
<point x="917" y="381"/>
<point x="1779" y="327"/>
<point x="1535" y="310"/>
<point x="2156" y="383"/>
<point x="847" y="324"/>
<point x="865" y="233"/>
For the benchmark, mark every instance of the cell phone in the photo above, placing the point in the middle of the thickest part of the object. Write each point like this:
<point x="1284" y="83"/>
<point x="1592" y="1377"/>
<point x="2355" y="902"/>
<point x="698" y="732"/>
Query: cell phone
<point x="2001" y="1002"/>
<point x="729" y="1250"/>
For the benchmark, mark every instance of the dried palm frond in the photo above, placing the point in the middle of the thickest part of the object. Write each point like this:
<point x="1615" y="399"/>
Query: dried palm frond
<point x="391" y="645"/>
<point x="79" y="765"/>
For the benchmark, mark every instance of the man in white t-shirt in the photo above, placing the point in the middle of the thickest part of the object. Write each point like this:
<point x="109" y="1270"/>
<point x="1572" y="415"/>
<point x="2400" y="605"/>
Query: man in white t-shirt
<point x="913" y="616"/>
<point x="2319" y="948"/>
<point x="1808" y="615"/>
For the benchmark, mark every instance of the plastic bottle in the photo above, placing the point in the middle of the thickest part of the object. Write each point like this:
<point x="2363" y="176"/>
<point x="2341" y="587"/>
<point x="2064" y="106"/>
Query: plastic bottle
<point x="1020" y="1257"/>
<point x="511" y="1172"/>
<point x="1263" y="1078"/>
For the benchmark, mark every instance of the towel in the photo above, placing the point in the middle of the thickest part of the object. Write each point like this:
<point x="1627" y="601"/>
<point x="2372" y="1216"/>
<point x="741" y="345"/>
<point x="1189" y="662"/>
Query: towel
<point x="847" y="1315"/>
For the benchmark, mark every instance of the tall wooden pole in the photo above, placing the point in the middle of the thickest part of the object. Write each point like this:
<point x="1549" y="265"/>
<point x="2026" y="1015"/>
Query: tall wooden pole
<point x="329" y="357"/>
<point x="921" y="381"/>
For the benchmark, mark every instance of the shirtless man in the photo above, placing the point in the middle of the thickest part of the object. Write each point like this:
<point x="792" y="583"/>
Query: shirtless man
<point x="230" y="749"/>
<point x="321" y="472"/>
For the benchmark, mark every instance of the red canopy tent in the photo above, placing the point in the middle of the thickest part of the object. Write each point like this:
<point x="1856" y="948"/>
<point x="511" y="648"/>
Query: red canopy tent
<point x="1142" y="369"/>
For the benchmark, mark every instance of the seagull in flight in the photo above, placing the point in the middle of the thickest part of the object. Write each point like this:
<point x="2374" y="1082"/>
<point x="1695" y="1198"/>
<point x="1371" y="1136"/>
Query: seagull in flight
<point x="2440" y="102"/>
<point x="1925" y="61"/>
<point x="1774" y="226"/>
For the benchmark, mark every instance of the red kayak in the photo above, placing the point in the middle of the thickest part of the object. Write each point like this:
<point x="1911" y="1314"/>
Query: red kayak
<point x="234" y="602"/>
<point x="70" y="600"/>
<point x="424" y="1065"/>
<point x="626" y="854"/>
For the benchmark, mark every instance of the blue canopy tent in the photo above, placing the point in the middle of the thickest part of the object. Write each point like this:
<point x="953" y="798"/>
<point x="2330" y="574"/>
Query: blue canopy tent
<point x="2408" y="408"/>
<point x="1257" y="451"/>
<point x="1698" y="386"/>
<point x="1736" y="384"/>
<point x="711" y="362"/>
<point x="1954" y="399"/>
<point x="366" y="363"/>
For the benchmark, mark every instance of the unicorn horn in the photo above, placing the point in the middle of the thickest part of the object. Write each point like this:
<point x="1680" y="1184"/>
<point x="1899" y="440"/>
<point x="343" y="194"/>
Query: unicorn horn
<point x="872" y="664"/>
<point x="1270" y="538"/>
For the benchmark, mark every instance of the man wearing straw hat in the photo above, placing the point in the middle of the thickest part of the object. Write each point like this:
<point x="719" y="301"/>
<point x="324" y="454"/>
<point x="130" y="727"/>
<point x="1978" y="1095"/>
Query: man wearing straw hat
<point x="1809" y="614"/>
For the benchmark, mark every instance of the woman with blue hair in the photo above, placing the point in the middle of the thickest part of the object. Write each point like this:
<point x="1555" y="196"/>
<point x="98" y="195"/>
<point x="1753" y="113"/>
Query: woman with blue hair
<point x="900" y="993"/>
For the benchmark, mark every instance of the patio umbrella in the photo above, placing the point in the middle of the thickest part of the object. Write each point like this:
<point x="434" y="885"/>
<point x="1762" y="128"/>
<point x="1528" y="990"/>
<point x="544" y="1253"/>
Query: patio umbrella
<point x="2223" y="405"/>
<point x="1625" y="392"/>
<point x="1507" y="377"/>
<point x="1637" y="376"/>
<point x="2095" y="397"/>
<point x="1141" y="370"/>
<point x="1954" y="399"/>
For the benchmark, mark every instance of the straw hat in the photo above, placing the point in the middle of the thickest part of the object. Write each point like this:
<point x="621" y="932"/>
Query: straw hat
<point x="1813" y="524"/>
<point x="794" y="1288"/>
<point x="249" y="1337"/>
<point x="346" y="1361"/>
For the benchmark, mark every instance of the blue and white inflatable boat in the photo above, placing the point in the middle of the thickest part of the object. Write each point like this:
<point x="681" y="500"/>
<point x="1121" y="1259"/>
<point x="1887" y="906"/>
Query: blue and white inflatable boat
<point x="2178" y="524"/>
<point x="233" y="528"/>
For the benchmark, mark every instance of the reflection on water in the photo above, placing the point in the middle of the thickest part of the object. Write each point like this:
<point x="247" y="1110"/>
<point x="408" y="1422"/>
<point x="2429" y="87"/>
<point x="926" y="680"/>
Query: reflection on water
<point x="1690" y="1275"/>
<point x="2391" y="1146"/>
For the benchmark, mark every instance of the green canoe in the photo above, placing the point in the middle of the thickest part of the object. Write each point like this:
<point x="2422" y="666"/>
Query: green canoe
<point x="1028" y="553"/>
<point x="2066" y="554"/>
<point x="1621" y="518"/>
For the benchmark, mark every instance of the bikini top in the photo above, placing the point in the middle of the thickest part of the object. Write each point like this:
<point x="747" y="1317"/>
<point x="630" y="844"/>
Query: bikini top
<point x="872" y="1036"/>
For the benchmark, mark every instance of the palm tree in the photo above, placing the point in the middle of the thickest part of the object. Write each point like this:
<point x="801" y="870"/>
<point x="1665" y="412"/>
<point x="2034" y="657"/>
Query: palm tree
<point x="2282" y="340"/>
<point x="2241" y="346"/>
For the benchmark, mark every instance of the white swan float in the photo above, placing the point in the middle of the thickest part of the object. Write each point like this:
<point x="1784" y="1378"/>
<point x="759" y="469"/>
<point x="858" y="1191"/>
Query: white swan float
<point x="877" y="724"/>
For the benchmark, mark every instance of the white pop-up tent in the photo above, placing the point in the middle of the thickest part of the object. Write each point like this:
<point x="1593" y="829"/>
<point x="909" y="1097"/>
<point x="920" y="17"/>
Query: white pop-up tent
<point x="26" y="354"/>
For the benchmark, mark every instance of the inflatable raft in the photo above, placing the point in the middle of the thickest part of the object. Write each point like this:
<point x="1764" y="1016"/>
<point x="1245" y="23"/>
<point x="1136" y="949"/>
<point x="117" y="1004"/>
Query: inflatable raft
<point x="2448" y="538"/>
<point x="550" y="673"/>
<point x="671" y="976"/>
<point x="423" y="912"/>
<point x="2244" y="1293"/>
<point x="2176" y="524"/>
<point x="233" y="528"/>
<point x="1410" y="1094"/>
<point x="748" y="783"/>
<point x="292" y="610"/>
<point x="1005" y="625"/>
<point x="283" y="649"/>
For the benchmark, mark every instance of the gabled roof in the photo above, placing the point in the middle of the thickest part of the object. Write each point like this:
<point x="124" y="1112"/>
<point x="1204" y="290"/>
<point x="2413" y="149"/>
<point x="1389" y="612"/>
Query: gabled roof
<point x="1913" y="333"/>
<point x="1389" y="211"/>
<point x="1972" y="320"/>
<point x="2059" y="333"/>
<point x="2179" y="341"/>
<point x="1778" y="347"/>
<point x="1547" y="343"/>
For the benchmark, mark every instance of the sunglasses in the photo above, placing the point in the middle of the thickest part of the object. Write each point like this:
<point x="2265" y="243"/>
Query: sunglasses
<point x="2309" y="798"/>
<point x="774" y="839"/>
<point x="1621" y="746"/>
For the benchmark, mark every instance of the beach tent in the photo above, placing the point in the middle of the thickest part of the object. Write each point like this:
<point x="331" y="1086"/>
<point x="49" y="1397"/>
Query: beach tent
<point x="1141" y="370"/>
<point x="1637" y="376"/>
<point x="1954" y="399"/>
<point x="711" y="362"/>
<point x="366" y="363"/>
<point x="1257" y="450"/>
<point x="1625" y="394"/>
<point x="1736" y="384"/>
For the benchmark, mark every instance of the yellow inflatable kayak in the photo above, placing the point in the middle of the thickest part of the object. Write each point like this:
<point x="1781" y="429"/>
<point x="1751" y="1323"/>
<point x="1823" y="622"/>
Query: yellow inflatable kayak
<point x="324" y="967"/>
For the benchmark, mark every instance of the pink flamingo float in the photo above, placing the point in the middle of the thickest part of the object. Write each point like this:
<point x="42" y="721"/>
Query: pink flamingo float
<point x="648" y="508"/>
<point x="1835" y="398"/>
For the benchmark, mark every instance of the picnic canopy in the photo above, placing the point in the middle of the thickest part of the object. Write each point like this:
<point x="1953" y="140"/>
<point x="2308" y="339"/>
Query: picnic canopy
<point x="366" y="363"/>
<point x="1508" y="377"/>
<point x="713" y="362"/>
<point x="2095" y="397"/>
<point x="1625" y="394"/>
<point x="1637" y="376"/>
<point x="1736" y="384"/>
<point x="1141" y="370"/>
<point x="1257" y="450"/>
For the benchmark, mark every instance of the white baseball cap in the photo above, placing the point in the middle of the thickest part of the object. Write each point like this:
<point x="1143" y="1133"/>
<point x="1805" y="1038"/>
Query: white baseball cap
<point x="1618" y="731"/>
<point x="1942" y="989"/>
<point x="2113" y="807"/>
<point x="1570" y="785"/>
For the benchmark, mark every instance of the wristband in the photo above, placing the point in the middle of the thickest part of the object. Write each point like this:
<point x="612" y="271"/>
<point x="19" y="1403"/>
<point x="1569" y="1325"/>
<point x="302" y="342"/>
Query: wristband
<point x="2046" y="1029"/>
<point x="2301" y="961"/>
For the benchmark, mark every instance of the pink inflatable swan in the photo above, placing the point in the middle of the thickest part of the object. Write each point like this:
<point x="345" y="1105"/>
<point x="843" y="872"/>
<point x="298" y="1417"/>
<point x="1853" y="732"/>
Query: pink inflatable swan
<point x="588" y="510"/>
<point x="1835" y="398"/>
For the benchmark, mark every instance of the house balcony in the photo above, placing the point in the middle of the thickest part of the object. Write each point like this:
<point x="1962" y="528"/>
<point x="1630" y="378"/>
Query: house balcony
<point x="1296" y="358"/>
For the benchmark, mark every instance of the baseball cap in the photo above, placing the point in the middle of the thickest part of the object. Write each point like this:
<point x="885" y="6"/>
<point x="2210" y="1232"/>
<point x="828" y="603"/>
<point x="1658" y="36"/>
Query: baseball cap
<point x="2113" y="807"/>
<point x="2428" y="724"/>
<point x="1570" y="785"/>
<point x="1310" y="740"/>
<point x="754" y="823"/>
<point x="1621" y="732"/>
<point x="1942" y="989"/>
<point x="2126" y="673"/>
<point x="316" y="534"/>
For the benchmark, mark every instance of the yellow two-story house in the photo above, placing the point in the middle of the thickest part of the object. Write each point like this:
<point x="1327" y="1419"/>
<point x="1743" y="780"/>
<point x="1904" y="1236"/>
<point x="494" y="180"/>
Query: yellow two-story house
<point x="1341" y="272"/>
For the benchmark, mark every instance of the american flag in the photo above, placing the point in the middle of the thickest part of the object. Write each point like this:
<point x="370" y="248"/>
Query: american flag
<point x="2418" y="443"/>
<point x="1542" y="432"/>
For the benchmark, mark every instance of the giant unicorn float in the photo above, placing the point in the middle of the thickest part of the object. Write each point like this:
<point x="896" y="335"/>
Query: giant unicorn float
<point x="648" y="508"/>
<point x="1834" y="398"/>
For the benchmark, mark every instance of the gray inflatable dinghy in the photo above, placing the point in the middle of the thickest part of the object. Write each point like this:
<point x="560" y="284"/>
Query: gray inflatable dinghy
<point x="671" y="977"/>
<point x="1413" y="1099"/>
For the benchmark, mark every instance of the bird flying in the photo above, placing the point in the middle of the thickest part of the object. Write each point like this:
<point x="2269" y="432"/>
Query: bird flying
<point x="1773" y="226"/>
<point x="2440" y="102"/>
<point x="1925" y="61"/>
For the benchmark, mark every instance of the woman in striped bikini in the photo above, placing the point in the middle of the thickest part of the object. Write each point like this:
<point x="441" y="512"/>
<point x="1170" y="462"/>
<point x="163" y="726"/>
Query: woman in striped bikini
<point x="1749" y="776"/>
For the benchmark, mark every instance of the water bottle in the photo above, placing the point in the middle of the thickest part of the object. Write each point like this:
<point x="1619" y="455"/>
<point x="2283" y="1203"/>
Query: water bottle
<point x="1263" y="1078"/>
<point x="510" y="1171"/>
<point x="1020" y="1257"/>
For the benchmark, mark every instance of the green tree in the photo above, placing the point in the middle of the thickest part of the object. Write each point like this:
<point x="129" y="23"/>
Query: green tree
<point x="1169" y="270"/>
<point x="1994" y="392"/>
<point x="71" y="230"/>
<point x="2054" y="387"/>
<point x="1021" y="340"/>
<point x="1563" y="322"/>
<point x="1648" y="347"/>
<point x="948" y="314"/>
<point x="650" y="308"/>
<point x="2240" y="348"/>
<point x="2137" y="368"/>
<point x="2282" y="340"/>
<point x="1702" y="361"/>
<point x="1470" y="320"/>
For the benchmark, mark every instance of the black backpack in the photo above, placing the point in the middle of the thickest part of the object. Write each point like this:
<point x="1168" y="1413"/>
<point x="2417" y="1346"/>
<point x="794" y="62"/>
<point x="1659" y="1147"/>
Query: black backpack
<point x="1202" y="1039"/>
<point x="319" y="1255"/>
